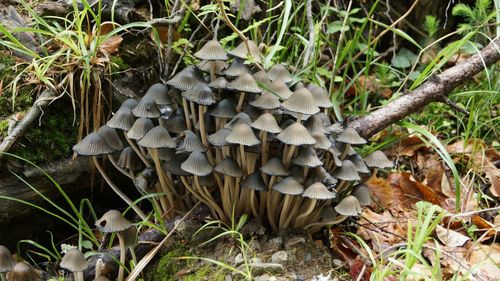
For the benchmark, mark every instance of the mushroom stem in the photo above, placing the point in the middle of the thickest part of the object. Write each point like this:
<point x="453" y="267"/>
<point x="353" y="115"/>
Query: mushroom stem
<point x="253" y="205"/>
<point x="309" y="208"/>
<point x="186" y="114"/>
<point x="209" y="199"/>
<point x="193" y="112"/>
<point x="203" y="133"/>
<point x="2" y="276"/>
<point x="121" y="268"/>
<point x="243" y="160"/>
<point x="118" y="191"/>
<point x="123" y="171"/>
<point x="226" y="201"/>
<point x="296" y="206"/>
<point x="264" y="147"/>
<point x="161" y="176"/>
<point x="240" y="102"/>
<point x="284" y="211"/>
<point x="346" y="151"/>
<point x="262" y="206"/>
<point x="137" y="151"/>
<point x="306" y="171"/>
<point x="270" y="212"/>
<point x="213" y="65"/>
<point x="287" y="157"/>
<point x="78" y="275"/>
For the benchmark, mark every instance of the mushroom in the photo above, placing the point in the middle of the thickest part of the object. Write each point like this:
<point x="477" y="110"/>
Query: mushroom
<point x="74" y="261"/>
<point x="230" y="169"/>
<point x="203" y="96"/>
<point x="346" y="172"/>
<point x="245" y="83"/>
<point x="212" y="51"/>
<point x="349" y="136"/>
<point x="242" y="135"/>
<point x="279" y="88"/>
<point x="222" y="111"/>
<point x="289" y="187"/>
<point x="99" y="265"/>
<point x="307" y="158"/>
<point x="279" y="72"/>
<point x="378" y="160"/>
<point x="24" y="272"/>
<point x="316" y="191"/>
<point x="261" y="77"/>
<point x="301" y="102"/>
<point x="6" y="262"/>
<point x="274" y="168"/>
<point x="349" y="206"/>
<point x="175" y="125"/>
<point x="159" y="93"/>
<point x="130" y="241"/>
<point x="206" y="66"/>
<point x="362" y="193"/>
<point x="320" y="96"/>
<point x="114" y="222"/>
<point x="253" y="182"/>
<point x="294" y="135"/>
<point x="237" y="68"/>
<point x="266" y="123"/>
<point x="247" y="49"/>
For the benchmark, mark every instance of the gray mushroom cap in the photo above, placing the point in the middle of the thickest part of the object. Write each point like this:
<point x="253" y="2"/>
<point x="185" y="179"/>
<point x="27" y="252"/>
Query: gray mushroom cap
<point x="159" y="93"/>
<point x="274" y="167"/>
<point x="129" y="159"/>
<point x="158" y="137"/>
<point x="241" y="51"/>
<point x="188" y="78"/>
<point x="219" y="138"/>
<point x="205" y="66"/>
<point x="237" y="68"/>
<point x="229" y="167"/>
<point x="111" y="137"/>
<point x="350" y="136"/>
<point x="349" y="206"/>
<point x="24" y="272"/>
<point x="191" y="143"/>
<point x="307" y="157"/>
<point x="146" y="108"/>
<point x="122" y="119"/>
<point x="74" y="261"/>
<point x="347" y="171"/>
<point x="200" y="94"/>
<point x="301" y="101"/>
<point x="296" y="134"/>
<point x="279" y="88"/>
<point x="140" y="128"/>
<point x="378" y="159"/>
<point x="362" y="193"/>
<point x="266" y="122"/>
<point x="266" y="101"/>
<point x="174" y="166"/>
<point x="176" y="124"/>
<point x="289" y="186"/>
<point x="197" y="164"/>
<point x="129" y="104"/>
<point x="6" y="260"/>
<point x="318" y="191"/>
<point x="242" y="134"/>
<point x="279" y="72"/>
<point x="224" y="109"/>
<point x="254" y="181"/>
<point x="93" y="145"/>
<point x="244" y="83"/>
<point x="112" y="221"/>
<point x="212" y="50"/>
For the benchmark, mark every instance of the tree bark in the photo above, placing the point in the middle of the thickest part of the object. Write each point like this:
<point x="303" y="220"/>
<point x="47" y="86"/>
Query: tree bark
<point x="434" y="89"/>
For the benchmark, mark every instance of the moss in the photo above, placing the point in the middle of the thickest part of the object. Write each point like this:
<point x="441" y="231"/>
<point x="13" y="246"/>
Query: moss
<point x="118" y="64"/>
<point x="206" y="273"/>
<point x="169" y="265"/>
<point x="4" y="127"/>
<point x="23" y="98"/>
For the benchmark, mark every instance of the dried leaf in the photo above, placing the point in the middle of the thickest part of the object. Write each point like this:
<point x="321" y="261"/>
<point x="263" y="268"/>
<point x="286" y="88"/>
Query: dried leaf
<point x="381" y="189"/>
<point x="486" y="259"/>
<point x="450" y="237"/>
<point x="485" y="227"/>
<point x="111" y="45"/>
<point x="383" y="229"/>
<point x="493" y="175"/>
<point x="406" y="194"/>
<point x="407" y="146"/>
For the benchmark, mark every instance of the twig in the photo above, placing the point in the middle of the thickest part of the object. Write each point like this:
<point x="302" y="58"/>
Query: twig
<point x="165" y="21"/>
<point x="453" y="105"/>
<point x="170" y="37"/>
<point x="310" y="43"/>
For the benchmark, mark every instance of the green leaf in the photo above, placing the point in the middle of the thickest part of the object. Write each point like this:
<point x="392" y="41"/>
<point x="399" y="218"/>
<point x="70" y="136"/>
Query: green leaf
<point x="335" y="27"/>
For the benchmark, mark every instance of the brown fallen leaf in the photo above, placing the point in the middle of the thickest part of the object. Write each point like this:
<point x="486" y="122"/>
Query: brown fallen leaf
<point x="493" y="175"/>
<point x="381" y="190"/>
<point x="484" y="227"/>
<point x="384" y="230"/>
<point x="111" y="45"/>
<point x="406" y="194"/>
<point x="450" y="237"/>
<point x="407" y="146"/>
<point x="486" y="260"/>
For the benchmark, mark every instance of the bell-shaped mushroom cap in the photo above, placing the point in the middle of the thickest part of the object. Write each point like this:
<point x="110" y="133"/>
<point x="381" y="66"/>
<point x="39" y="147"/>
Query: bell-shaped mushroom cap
<point x="219" y="138"/>
<point x="349" y="206"/>
<point x="129" y="103"/>
<point x="240" y="118"/>
<point x="159" y="93"/>
<point x="322" y="141"/>
<point x="218" y="83"/>
<point x="129" y="159"/>
<point x="254" y="181"/>
<point x="289" y="186"/>
<point x="176" y="124"/>
<point x="212" y="50"/>
<point x="301" y="101"/>
<point x="279" y="88"/>
<point x="112" y="221"/>
<point x="237" y="68"/>
<point x="186" y="79"/>
<point x="350" y="136"/>
<point x="266" y="122"/>
<point x="158" y="137"/>
<point x="200" y="94"/>
<point x="274" y="167"/>
<point x="359" y="163"/>
<point x="346" y="172"/>
<point x="93" y="145"/>
<point x="377" y="159"/>
<point x="244" y="83"/>
<point x="318" y="191"/>
<point x="296" y="134"/>
<point x="266" y="101"/>
<point x="335" y="129"/>
<point x="242" y="134"/>
<point x="224" y="109"/>
<point x="197" y="164"/>
<point x="320" y="96"/>
<point x="122" y="120"/>
<point x="279" y="72"/>
<point x="307" y="158"/>
<point x="111" y="137"/>
<point x="130" y="237"/>
<point x="206" y="65"/>
<point x="314" y="124"/>
<point x="74" y="261"/>
<point x="140" y="128"/>
<point x="191" y="143"/>
<point x="24" y="272"/>
<point x="241" y="51"/>
<point x="174" y="166"/>
<point x="362" y="193"/>
<point x="262" y="78"/>
<point x="229" y="167"/>
<point x="6" y="260"/>
<point x="147" y="108"/>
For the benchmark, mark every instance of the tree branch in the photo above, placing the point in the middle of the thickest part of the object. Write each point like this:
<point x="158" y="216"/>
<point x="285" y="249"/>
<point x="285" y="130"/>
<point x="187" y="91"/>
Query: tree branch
<point x="434" y="89"/>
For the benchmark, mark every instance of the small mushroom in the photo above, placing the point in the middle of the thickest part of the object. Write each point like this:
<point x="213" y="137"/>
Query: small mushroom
<point x="349" y="206"/>
<point x="212" y="51"/>
<point x="316" y="191"/>
<point x="289" y="187"/>
<point x="248" y="49"/>
<point x="362" y="193"/>
<point x="242" y="135"/>
<point x="294" y="135"/>
<point x="245" y="83"/>
<point x="279" y="72"/>
<point x="6" y="262"/>
<point x="230" y="195"/>
<point x="237" y="68"/>
<point x="24" y="272"/>
<point x="74" y="261"/>
<point x="159" y="93"/>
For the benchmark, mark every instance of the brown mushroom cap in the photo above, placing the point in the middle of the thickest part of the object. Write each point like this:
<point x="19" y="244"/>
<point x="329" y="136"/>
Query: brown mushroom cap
<point x="224" y="109"/>
<point x="266" y="122"/>
<point x="289" y="186"/>
<point x="140" y="128"/>
<point x="188" y="78"/>
<point x="122" y="119"/>
<point x="350" y="136"/>
<point x="6" y="260"/>
<point x="200" y="94"/>
<point x="159" y="93"/>
<point x="244" y="83"/>
<point x="212" y="50"/>
<point x="241" y="51"/>
<point x="237" y="68"/>
<point x="266" y="101"/>
<point x="254" y="181"/>
<point x="229" y="167"/>
<point x="74" y="261"/>
<point x="93" y="145"/>
<point x="318" y="191"/>
<point x="111" y="137"/>
<point x="274" y="167"/>
<point x="197" y="164"/>
<point x="279" y="72"/>
<point x="146" y="108"/>
<point x="158" y="137"/>
<point x="112" y="221"/>
<point x="307" y="158"/>
<point x="347" y="171"/>
<point x="296" y="134"/>
<point x="349" y="206"/>
<point x="379" y="160"/>
<point x="301" y="101"/>
<point x="24" y="272"/>
<point x="242" y="134"/>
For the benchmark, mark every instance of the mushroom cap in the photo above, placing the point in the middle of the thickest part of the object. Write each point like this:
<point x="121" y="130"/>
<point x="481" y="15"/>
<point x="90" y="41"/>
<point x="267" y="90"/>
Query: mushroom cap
<point x="359" y="163"/>
<point x="266" y="122"/>
<point x="240" y="118"/>
<point x="362" y="193"/>
<point x="129" y="159"/>
<point x="242" y="134"/>
<point x="197" y="164"/>
<point x="244" y="83"/>
<point x="241" y="51"/>
<point x="307" y="157"/>
<point x="314" y="124"/>
<point x="122" y="119"/>
<point x="224" y="109"/>
<point x="262" y="77"/>
<point x="6" y="260"/>
<point x="159" y="93"/>
<point x="166" y="154"/>
<point x="289" y="186"/>
<point x="336" y="128"/>
<point x="130" y="237"/>
<point x="322" y="141"/>
<point x="318" y="191"/>
<point x="347" y="171"/>
<point x="218" y="83"/>
<point x="274" y="167"/>
<point x="24" y="272"/>
<point x="174" y="166"/>
<point x="378" y="159"/>
<point x="93" y="145"/>
<point x="279" y="72"/>
<point x="158" y="137"/>
<point x="186" y="79"/>
<point x="74" y="261"/>
<point x="349" y="206"/>
<point x="254" y="181"/>
<point x="266" y="101"/>
<point x="252" y="111"/>
<point x="200" y="94"/>
<point x="321" y="96"/>
<point x="296" y="134"/>
<point x="280" y="88"/>
<point x="111" y="137"/>
<point x="212" y="50"/>
<point x="140" y="128"/>
<point x="206" y="65"/>
<point x="229" y="167"/>
<point x="191" y="143"/>
<point x="219" y="138"/>
<point x="129" y="103"/>
<point x="146" y="108"/>
<point x="350" y="136"/>
<point x="112" y="221"/>
<point x="301" y="101"/>
<point x="176" y="124"/>
<point x="237" y="68"/>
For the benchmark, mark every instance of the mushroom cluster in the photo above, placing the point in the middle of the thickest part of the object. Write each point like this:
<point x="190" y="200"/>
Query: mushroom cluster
<point x="241" y="140"/>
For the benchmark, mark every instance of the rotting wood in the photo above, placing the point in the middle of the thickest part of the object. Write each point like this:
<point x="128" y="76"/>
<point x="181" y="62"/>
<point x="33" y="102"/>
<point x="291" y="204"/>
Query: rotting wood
<point x="434" y="89"/>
